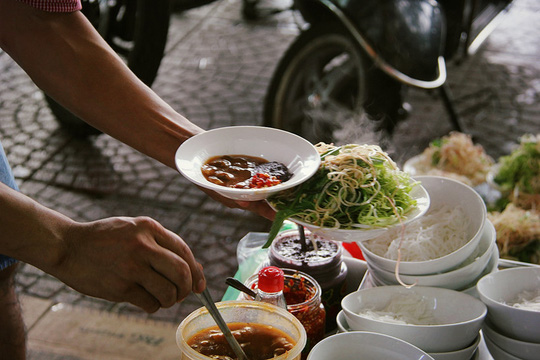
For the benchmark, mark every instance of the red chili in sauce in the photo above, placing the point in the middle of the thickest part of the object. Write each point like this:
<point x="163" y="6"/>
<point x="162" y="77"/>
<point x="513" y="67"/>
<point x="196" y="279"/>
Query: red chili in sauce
<point x="305" y="304"/>
<point x="302" y="303"/>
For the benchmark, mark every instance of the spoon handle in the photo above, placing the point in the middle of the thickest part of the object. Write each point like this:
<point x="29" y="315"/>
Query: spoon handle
<point x="207" y="301"/>
<point x="238" y="285"/>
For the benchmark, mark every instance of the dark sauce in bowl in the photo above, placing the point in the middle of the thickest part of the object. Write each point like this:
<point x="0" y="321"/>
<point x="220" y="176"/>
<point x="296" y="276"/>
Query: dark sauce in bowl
<point x="259" y="342"/>
<point x="244" y="172"/>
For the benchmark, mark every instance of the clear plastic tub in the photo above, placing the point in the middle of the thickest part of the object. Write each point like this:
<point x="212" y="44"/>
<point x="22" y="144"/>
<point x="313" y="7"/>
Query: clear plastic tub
<point x="242" y="311"/>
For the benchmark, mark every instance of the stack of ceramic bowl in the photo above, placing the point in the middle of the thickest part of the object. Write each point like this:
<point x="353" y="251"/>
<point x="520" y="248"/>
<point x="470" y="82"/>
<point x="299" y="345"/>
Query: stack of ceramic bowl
<point x="444" y="323"/>
<point x="458" y="270"/>
<point x="367" y="346"/>
<point x="512" y="327"/>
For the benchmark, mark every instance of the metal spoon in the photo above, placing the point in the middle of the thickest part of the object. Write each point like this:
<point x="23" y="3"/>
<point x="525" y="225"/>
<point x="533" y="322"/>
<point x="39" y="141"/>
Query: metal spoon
<point x="238" y="285"/>
<point x="207" y="301"/>
<point x="302" y="234"/>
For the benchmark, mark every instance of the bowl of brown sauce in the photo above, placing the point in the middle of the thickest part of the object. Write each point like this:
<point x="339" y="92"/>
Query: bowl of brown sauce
<point x="263" y="330"/>
<point x="247" y="163"/>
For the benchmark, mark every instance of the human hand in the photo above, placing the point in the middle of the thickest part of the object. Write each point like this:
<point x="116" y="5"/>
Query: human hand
<point x="133" y="260"/>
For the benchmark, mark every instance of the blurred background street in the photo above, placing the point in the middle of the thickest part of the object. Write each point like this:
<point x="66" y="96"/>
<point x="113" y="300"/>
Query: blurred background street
<point x="216" y="71"/>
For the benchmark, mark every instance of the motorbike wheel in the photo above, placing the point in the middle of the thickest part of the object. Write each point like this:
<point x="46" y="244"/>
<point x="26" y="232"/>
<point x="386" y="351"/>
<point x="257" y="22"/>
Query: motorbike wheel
<point x="319" y="89"/>
<point x="137" y="31"/>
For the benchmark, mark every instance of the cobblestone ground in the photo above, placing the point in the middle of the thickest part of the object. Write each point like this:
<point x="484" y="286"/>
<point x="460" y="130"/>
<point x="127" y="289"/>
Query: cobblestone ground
<point x="216" y="70"/>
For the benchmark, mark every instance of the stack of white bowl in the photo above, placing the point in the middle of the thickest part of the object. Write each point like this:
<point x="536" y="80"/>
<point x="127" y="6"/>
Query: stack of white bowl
<point x="454" y="333"/>
<point x="511" y="332"/>
<point x="366" y="346"/>
<point x="459" y="270"/>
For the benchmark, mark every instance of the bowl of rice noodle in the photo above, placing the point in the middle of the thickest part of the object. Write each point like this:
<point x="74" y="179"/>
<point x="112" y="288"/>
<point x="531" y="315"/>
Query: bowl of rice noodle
<point x="434" y="319"/>
<point x="440" y="240"/>
<point x="458" y="278"/>
<point x="454" y="156"/>
<point x="512" y="297"/>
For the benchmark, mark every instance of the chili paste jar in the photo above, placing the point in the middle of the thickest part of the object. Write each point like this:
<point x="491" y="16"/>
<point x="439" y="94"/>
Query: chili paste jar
<point x="303" y="297"/>
<point x="318" y="257"/>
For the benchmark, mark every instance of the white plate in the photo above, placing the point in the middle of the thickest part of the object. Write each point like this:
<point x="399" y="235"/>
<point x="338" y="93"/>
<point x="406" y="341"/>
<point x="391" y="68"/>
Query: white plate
<point x="411" y="166"/>
<point x="298" y="154"/>
<point x="414" y="167"/>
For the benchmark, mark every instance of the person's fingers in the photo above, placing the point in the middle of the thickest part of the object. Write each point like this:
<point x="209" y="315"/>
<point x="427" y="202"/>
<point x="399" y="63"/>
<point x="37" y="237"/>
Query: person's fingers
<point x="186" y="278"/>
<point x="176" y="270"/>
<point x="140" y="297"/>
<point x="162" y="287"/>
<point x="197" y="274"/>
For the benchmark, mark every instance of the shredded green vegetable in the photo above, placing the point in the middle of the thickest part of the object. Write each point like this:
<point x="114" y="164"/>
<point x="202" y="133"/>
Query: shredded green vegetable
<point x="356" y="187"/>
<point x="521" y="169"/>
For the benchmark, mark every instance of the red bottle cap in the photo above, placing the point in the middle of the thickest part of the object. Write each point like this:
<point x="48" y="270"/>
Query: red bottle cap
<point x="271" y="279"/>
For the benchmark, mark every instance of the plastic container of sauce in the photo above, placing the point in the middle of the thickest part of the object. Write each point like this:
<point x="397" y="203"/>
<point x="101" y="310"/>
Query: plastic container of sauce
<point x="303" y="297"/>
<point x="243" y="312"/>
<point x="325" y="264"/>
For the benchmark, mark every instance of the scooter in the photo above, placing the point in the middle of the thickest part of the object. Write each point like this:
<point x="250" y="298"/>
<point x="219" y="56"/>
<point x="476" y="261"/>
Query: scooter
<point x="353" y="59"/>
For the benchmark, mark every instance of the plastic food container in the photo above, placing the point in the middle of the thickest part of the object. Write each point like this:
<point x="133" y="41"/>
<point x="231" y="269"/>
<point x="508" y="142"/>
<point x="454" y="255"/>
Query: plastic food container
<point x="241" y="311"/>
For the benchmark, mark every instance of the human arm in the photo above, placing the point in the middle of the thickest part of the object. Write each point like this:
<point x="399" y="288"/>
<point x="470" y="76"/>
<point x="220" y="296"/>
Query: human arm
<point x="120" y="259"/>
<point x="69" y="60"/>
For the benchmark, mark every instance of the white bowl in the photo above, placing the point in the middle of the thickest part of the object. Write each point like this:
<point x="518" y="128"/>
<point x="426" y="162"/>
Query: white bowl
<point x="498" y="353"/>
<point x="376" y="280"/>
<point x="522" y="349"/>
<point x="298" y="154"/>
<point x="470" y="289"/>
<point x="342" y="323"/>
<point x="457" y="316"/>
<point x="365" y="345"/>
<point x="442" y="191"/>
<point x="492" y="266"/>
<point x="498" y="289"/>
<point x="461" y="354"/>
<point x="455" y="279"/>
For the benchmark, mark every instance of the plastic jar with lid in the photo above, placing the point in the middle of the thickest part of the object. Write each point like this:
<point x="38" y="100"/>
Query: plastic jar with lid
<point x="325" y="264"/>
<point x="303" y="297"/>
<point x="271" y="282"/>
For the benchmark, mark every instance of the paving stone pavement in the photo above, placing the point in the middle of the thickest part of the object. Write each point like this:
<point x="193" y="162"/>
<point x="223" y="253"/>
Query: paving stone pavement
<point x="215" y="72"/>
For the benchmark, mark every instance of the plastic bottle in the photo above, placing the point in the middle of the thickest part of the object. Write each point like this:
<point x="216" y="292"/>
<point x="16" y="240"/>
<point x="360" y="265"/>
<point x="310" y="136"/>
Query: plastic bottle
<point x="303" y="293"/>
<point x="270" y="286"/>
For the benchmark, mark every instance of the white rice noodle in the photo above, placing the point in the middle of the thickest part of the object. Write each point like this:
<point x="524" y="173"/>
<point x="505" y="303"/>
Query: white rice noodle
<point x="438" y="233"/>
<point x="527" y="300"/>
<point x="409" y="309"/>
